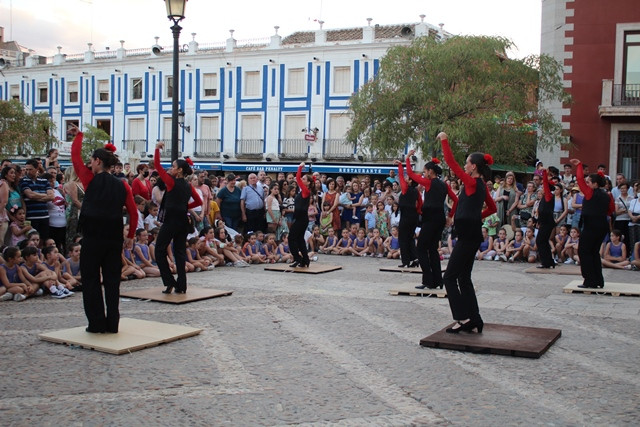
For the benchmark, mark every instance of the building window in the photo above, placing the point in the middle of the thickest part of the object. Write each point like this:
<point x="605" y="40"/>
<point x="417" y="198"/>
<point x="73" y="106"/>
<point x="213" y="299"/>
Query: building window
<point x="105" y="125"/>
<point x="169" y="87"/>
<point x="342" y="80"/>
<point x="339" y="124"/>
<point x="136" y="88"/>
<point x="43" y="93"/>
<point x="209" y="128"/>
<point x="629" y="154"/>
<point x="293" y="126"/>
<point x="69" y="125"/>
<point x="295" y="81"/>
<point x="14" y="92"/>
<point x="166" y="130"/>
<point x="252" y="83"/>
<point x="103" y="90"/>
<point x="210" y="85"/>
<point x="72" y="92"/>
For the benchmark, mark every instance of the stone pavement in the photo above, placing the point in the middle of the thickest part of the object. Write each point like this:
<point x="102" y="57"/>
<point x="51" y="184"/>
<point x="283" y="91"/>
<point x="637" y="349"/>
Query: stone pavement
<point x="328" y="349"/>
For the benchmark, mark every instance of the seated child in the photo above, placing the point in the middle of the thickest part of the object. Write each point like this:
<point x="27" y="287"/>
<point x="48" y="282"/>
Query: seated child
<point x="570" y="250"/>
<point x="72" y="266"/>
<point x="315" y="241"/>
<point x="283" y="249"/>
<point x="39" y="276"/>
<point x="560" y="240"/>
<point x="392" y="244"/>
<point x="271" y="249"/>
<point x="500" y="246"/>
<point x="360" y="246"/>
<point x="52" y="262"/>
<point x="130" y="270"/>
<point x="208" y="247"/>
<point x="530" y="250"/>
<point x="615" y="252"/>
<point x="225" y="247"/>
<point x="343" y="247"/>
<point x="486" y="252"/>
<point x="446" y="250"/>
<point x="193" y="256"/>
<point x="635" y="259"/>
<point x="251" y="250"/>
<point x="13" y="285"/>
<point x="329" y="243"/>
<point x="515" y="247"/>
<point x="142" y="255"/>
<point x="376" y="244"/>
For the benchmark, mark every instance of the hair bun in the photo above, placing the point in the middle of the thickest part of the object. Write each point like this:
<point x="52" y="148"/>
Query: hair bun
<point x="188" y="160"/>
<point x="488" y="159"/>
<point x="110" y="147"/>
<point x="435" y="160"/>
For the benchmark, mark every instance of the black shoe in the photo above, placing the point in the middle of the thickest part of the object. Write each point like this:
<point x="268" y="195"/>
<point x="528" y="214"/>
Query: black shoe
<point x="295" y="264"/>
<point x="590" y="286"/>
<point x="414" y="263"/>
<point x="455" y="328"/>
<point x="93" y="331"/>
<point x="403" y="266"/>
<point x="436" y="287"/>
<point x="473" y="324"/>
<point x="422" y="287"/>
<point x="132" y="277"/>
<point x="545" y="266"/>
<point x="77" y="288"/>
<point x="304" y="264"/>
<point x="168" y="290"/>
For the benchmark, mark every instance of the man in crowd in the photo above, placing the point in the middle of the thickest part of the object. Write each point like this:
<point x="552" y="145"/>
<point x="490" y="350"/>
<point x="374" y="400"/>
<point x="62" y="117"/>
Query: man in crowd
<point x="36" y="192"/>
<point x="252" y="205"/>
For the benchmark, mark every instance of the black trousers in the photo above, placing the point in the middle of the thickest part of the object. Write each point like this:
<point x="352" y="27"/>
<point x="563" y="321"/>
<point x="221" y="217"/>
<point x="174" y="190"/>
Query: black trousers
<point x="593" y="234"/>
<point x="457" y="280"/>
<point x="406" y="231"/>
<point x="297" y="245"/>
<point x="255" y="220"/>
<point x="172" y="229"/>
<point x="42" y="226"/>
<point x="101" y="255"/>
<point x="430" y="235"/>
<point x="59" y="234"/>
<point x="542" y="240"/>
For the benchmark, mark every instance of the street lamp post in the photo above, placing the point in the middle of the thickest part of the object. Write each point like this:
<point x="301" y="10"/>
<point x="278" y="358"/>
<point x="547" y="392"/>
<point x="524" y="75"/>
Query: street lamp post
<point x="175" y="12"/>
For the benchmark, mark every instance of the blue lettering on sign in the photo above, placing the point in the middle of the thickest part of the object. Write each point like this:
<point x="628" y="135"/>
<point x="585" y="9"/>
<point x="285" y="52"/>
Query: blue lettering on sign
<point x="264" y="168"/>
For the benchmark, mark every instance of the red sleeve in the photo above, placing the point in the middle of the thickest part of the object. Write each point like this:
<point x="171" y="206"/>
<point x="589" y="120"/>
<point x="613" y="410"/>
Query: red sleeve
<point x="453" y="197"/>
<point x="467" y="180"/>
<point x="425" y="182"/>
<point x="419" y="203"/>
<point x="545" y="186"/>
<point x="586" y="190"/>
<point x="403" y="183"/>
<point x="132" y="209"/>
<point x="166" y="178"/>
<point x="491" y="205"/>
<point x="197" y="201"/>
<point x="303" y="188"/>
<point x="612" y="206"/>
<point x="83" y="172"/>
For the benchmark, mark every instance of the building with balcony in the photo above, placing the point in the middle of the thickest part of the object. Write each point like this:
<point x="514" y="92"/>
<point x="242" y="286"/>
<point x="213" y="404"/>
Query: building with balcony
<point x="246" y="105"/>
<point x="599" y="45"/>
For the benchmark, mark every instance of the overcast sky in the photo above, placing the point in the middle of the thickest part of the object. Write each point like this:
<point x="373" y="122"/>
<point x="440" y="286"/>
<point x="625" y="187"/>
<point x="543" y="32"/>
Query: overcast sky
<point x="44" y="24"/>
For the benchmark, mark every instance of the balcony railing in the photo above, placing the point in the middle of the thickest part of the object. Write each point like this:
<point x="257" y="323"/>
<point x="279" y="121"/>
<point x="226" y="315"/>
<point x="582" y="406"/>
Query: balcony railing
<point x="166" y="153"/>
<point x="135" y="145"/>
<point x="338" y="149"/>
<point x="626" y="94"/>
<point x="294" y="148"/>
<point x="249" y="147"/>
<point x="209" y="148"/>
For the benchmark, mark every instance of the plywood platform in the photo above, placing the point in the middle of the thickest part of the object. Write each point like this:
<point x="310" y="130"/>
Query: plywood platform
<point x="613" y="289"/>
<point x="412" y="291"/>
<point x="155" y="294"/>
<point x="314" y="268"/>
<point x="402" y="269"/>
<point x="570" y="269"/>
<point x="520" y="341"/>
<point x="134" y="335"/>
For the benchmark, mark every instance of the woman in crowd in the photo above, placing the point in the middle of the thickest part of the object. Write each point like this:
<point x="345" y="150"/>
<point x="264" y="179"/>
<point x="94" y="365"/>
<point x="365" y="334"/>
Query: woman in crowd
<point x="74" y="195"/>
<point x="433" y="220"/>
<point x="9" y="198"/>
<point x="468" y="223"/>
<point x="506" y="198"/>
<point x="596" y="206"/>
<point x="141" y="184"/>
<point x="175" y="224"/>
<point x="52" y="159"/>
<point x="101" y="221"/>
<point x="525" y="207"/>
<point x="297" y="244"/>
<point x="622" y="214"/>
<point x="228" y="200"/>
<point x="333" y="198"/>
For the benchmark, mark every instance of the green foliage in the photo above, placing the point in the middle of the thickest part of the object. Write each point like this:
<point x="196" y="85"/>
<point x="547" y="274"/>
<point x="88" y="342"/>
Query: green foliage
<point x="22" y="133"/>
<point x="93" y="138"/>
<point x="465" y="86"/>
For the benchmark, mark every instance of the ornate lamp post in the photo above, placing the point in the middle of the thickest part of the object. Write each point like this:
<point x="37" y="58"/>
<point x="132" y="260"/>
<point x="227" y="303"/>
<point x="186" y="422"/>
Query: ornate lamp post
<point x="175" y="13"/>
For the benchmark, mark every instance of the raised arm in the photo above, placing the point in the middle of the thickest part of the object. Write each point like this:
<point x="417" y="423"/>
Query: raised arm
<point x="83" y="172"/>
<point x="403" y="183"/>
<point x="166" y="178"/>
<point x="425" y="182"/>
<point x="197" y="201"/>
<point x="545" y="186"/>
<point x="132" y="209"/>
<point x="586" y="190"/>
<point x="303" y="188"/>
<point x="453" y="196"/>
<point x="469" y="182"/>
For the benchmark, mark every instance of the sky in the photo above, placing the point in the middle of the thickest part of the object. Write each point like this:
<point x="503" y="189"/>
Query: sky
<point x="42" y="25"/>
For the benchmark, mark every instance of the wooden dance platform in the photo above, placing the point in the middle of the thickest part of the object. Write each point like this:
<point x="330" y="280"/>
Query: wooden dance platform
<point x="571" y="269"/>
<point x="402" y="269"/>
<point x="133" y="335"/>
<point x="314" y="268"/>
<point x="155" y="294"/>
<point x="520" y="341"/>
<point x="412" y="291"/>
<point x="613" y="289"/>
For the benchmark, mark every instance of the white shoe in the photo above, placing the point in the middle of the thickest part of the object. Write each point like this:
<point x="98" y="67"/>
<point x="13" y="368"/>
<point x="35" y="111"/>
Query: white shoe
<point x="8" y="296"/>
<point x="240" y="264"/>
<point x="57" y="293"/>
<point x="496" y="258"/>
<point x="314" y="258"/>
<point x="487" y="257"/>
<point x="568" y="261"/>
<point x="19" y="297"/>
<point x="39" y="292"/>
<point x="198" y="269"/>
<point x="511" y="259"/>
<point x="503" y="257"/>
<point x="211" y="267"/>
<point x="66" y="291"/>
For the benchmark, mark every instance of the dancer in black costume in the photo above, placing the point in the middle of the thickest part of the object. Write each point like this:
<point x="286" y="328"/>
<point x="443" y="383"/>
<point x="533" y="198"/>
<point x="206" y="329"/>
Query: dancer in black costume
<point x="433" y="220"/>
<point x="297" y="245"/>
<point x="175" y="224"/>
<point x="546" y="223"/>
<point x="468" y="225"/>
<point x="102" y="239"/>
<point x="596" y="206"/>
<point x="410" y="203"/>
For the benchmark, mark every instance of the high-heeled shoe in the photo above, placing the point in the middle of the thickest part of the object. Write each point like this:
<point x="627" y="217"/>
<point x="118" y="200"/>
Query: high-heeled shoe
<point x="168" y="290"/>
<point x="455" y="328"/>
<point x="473" y="324"/>
<point x="304" y="264"/>
<point x="414" y="263"/>
<point x="295" y="264"/>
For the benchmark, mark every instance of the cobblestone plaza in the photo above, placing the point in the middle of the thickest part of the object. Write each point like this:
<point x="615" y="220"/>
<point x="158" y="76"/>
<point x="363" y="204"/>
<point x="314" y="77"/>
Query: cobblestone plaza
<point x="326" y="349"/>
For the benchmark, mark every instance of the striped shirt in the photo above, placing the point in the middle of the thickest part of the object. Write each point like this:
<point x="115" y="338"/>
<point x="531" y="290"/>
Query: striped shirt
<point x="36" y="209"/>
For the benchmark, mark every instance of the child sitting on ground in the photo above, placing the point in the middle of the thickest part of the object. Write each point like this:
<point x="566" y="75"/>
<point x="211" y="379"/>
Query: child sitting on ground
<point x="52" y="262"/>
<point x="194" y="258"/>
<point x="615" y="252"/>
<point x="392" y="244"/>
<point x="376" y="244"/>
<point x="130" y="270"/>
<point x="530" y="251"/>
<point x="560" y="240"/>
<point x="14" y="286"/>
<point x="251" y="251"/>
<point x="283" y="249"/>
<point x="141" y="254"/>
<point x="500" y="246"/>
<point x="515" y="247"/>
<point x="485" y="252"/>
<point x="315" y="241"/>
<point x="360" y="246"/>
<point x="271" y="248"/>
<point x="72" y="266"/>
<point x="37" y="275"/>
<point x="570" y="251"/>
<point x="343" y="247"/>
<point x="208" y="248"/>
<point x="330" y="242"/>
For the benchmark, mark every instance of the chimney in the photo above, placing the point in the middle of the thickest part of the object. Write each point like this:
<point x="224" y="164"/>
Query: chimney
<point x="421" y="29"/>
<point x="58" y="59"/>
<point x="89" y="55"/>
<point x="193" y="45"/>
<point x="321" y="35"/>
<point x="276" y="40"/>
<point x="231" y="42"/>
<point x="368" y="32"/>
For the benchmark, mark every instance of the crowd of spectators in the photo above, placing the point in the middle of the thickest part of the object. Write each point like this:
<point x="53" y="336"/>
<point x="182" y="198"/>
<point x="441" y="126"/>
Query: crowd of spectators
<point x="245" y="220"/>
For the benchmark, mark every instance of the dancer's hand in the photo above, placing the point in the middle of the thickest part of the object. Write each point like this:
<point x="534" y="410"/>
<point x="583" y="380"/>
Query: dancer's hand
<point x="442" y="136"/>
<point x="127" y="242"/>
<point x="411" y="153"/>
<point x="574" y="162"/>
<point x="302" y="164"/>
<point x="160" y="145"/>
<point x="396" y="162"/>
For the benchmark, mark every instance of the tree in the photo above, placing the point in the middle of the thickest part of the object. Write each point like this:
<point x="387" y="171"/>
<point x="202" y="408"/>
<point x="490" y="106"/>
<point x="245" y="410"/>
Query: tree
<point x="465" y="86"/>
<point x="23" y="133"/>
<point x="92" y="139"/>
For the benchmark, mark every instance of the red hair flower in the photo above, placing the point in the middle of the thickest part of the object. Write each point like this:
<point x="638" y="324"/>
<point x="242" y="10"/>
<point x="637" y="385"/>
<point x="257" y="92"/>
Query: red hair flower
<point x="601" y="173"/>
<point x="110" y="147"/>
<point x="188" y="160"/>
<point x="488" y="159"/>
<point x="435" y="160"/>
